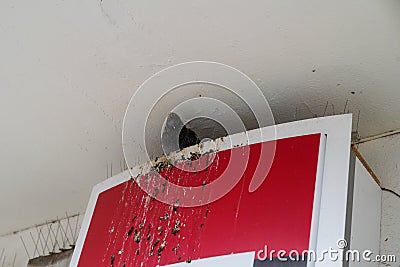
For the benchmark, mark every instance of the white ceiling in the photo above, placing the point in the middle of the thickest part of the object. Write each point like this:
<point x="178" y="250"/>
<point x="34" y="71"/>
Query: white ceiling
<point x="69" y="68"/>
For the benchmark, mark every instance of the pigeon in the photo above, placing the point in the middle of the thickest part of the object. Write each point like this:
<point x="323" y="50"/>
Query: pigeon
<point x="187" y="138"/>
<point x="174" y="130"/>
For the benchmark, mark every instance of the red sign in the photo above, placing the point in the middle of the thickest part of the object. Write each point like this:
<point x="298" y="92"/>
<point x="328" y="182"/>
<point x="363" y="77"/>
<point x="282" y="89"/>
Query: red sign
<point x="132" y="229"/>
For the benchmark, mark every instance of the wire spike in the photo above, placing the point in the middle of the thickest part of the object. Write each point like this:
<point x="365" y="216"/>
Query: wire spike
<point x="345" y="106"/>
<point x="35" y="244"/>
<point x="26" y="250"/>
<point x="15" y="257"/>
<point x="326" y="108"/>
<point x="76" y="229"/>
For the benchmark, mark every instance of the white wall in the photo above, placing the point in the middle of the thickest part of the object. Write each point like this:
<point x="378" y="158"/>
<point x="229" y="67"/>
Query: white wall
<point x="366" y="208"/>
<point x="383" y="155"/>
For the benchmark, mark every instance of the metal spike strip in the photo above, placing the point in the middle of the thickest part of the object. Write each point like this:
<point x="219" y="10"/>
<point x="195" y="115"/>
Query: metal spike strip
<point x="45" y="240"/>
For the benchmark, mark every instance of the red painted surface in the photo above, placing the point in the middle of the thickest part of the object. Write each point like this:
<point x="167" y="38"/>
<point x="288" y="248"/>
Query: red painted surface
<point x="277" y="214"/>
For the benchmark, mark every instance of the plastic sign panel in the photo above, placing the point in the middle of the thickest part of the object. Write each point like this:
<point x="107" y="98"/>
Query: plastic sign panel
<point x="125" y="226"/>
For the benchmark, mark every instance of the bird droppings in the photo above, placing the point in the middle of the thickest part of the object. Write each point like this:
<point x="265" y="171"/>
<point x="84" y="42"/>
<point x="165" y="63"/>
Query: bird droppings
<point x="153" y="246"/>
<point x="207" y="211"/>
<point x="138" y="236"/>
<point x="161" y="234"/>
<point x="152" y="230"/>
<point x="130" y="231"/>
<point x="175" y="208"/>
<point x="176" y="228"/>
<point x="175" y="249"/>
<point x="160" y="230"/>
<point x="165" y="217"/>
<point x="161" y="248"/>
<point x="163" y="244"/>
<point x="161" y="166"/>
<point x="112" y="259"/>
<point x="194" y="156"/>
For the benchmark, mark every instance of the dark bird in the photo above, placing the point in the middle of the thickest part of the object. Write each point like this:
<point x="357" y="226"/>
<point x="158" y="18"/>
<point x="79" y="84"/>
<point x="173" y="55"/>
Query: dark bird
<point x="174" y="130"/>
<point x="187" y="138"/>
